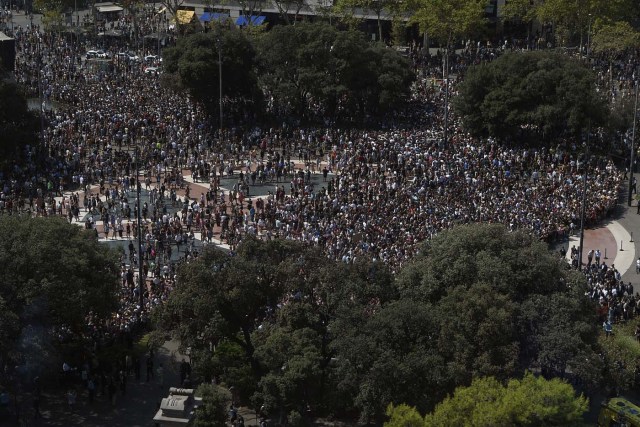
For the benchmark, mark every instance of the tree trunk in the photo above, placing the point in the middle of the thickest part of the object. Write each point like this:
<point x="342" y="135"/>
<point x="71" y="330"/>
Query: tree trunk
<point x="611" y="76"/>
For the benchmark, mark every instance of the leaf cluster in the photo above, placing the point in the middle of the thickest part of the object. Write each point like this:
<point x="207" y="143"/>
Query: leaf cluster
<point x="535" y="95"/>
<point x="18" y="124"/>
<point x="352" y="338"/>
<point x="448" y="21"/>
<point x="313" y="71"/>
<point x="531" y="401"/>
<point x="195" y="63"/>
<point x="49" y="266"/>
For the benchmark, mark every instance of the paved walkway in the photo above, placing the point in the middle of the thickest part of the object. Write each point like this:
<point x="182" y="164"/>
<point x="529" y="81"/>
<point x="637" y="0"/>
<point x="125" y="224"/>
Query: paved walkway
<point x="135" y="408"/>
<point x="616" y="240"/>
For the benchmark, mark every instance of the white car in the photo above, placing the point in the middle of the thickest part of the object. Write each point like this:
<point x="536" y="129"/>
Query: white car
<point x="151" y="58"/>
<point x="102" y="54"/>
<point x="152" y="70"/>
<point x="133" y="57"/>
<point x="92" y="54"/>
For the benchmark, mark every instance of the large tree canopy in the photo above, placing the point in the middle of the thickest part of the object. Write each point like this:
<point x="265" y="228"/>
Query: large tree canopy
<point x="496" y="296"/>
<point x="293" y="330"/>
<point x="312" y="72"/>
<point x="53" y="274"/>
<point x="18" y="124"/>
<point x="448" y="21"/>
<point x="315" y="69"/>
<point x="194" y="61"/>
<point x="535" y="95"/>
<point x="532" y="401"/>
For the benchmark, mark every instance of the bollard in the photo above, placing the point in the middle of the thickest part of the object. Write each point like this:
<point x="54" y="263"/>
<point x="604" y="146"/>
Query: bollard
<point x="631" y="237"/>
<point x="605" y="253"/>
<point x="621" y="246"/>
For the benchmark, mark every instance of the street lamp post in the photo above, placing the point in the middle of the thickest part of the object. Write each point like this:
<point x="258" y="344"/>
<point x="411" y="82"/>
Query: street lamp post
<point x="141" y="278"/>
<point x="219" y="47"/>
<point x="11" y="16"/>
<point x="584" y="199"/>
<point x="446" y="97"/>
<point x="633" y="141"/>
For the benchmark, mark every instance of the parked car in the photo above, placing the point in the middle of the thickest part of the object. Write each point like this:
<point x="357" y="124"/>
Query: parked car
<point x="153" y="71"/>
<point x="102" y="54"/>
<point x="92" y="54"/>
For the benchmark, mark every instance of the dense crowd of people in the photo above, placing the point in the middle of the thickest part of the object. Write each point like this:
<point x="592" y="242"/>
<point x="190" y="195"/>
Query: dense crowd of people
<point x="385" y="191"/>
<point x="355" y="193"/>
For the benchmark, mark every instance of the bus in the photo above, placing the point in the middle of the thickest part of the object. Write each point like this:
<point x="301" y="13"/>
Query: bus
<point x="619" y="412"/>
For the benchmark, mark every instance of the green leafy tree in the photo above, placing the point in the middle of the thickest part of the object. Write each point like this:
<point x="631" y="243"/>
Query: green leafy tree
<point x="386" y="355"/>
<point x="50" y="265"/>
<point x="448" y="21"/>
<point x="52" y="10"/>
<point x="574" y="17"/>
<point x="477" y="336"/>
<point x="523" y="11"/>
<point x="534" y="95"/>
<point x="613" y="39"/>
<point x="380" y="8"/>
<point x="19" y="125"/>
<point x="295" y="348"/>
<point x="173" y="6"/>
<point x="222" y="297"/>
<point x="286" y="8"/>
<point x="213" y="410"/>
<point x="194" y="63"/>
<point x="571" y="16"/>
<point x="531" y="401"/>
<point x="403" y="416"/>
<point x="315" y="64"/>
<point x="293" y="359"/>
<point x="503" y="304"/>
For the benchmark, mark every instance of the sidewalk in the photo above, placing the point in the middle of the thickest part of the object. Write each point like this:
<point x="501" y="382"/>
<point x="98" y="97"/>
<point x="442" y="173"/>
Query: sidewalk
<point x="134" y="409"/>
<point x="630" y="220"/>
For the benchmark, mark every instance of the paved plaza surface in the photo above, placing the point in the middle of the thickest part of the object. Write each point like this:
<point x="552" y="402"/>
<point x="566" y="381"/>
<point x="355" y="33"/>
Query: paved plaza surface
<point x="616" y="240"/>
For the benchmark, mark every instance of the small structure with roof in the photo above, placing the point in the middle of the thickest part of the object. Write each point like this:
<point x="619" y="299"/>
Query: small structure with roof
<point x="178" y="409"/>
<point x="107" y="11"/>
<point x="7" y="52"/>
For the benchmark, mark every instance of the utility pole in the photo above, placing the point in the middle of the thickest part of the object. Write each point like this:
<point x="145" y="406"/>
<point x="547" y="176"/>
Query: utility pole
<point x="633" y="141"/>
<point x="446" y="96"/>
<point x="219" y="47"/>
<point x="584" y="199"/>
<point x="140" y="276"/>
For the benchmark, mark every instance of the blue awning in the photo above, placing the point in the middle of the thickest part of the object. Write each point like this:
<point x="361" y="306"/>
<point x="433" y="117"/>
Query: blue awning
<point x="219" y="16"/>
<point x="254" y="20"/>
<point x="214" y="16"/>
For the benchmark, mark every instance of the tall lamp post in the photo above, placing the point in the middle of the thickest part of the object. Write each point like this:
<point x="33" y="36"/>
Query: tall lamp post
<point x="584" y="199"/>
<point x="219" y="47"/>
<point x="633" y="141"/>
<point x="141" y="278"/>
<point x="446" y="96"/>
